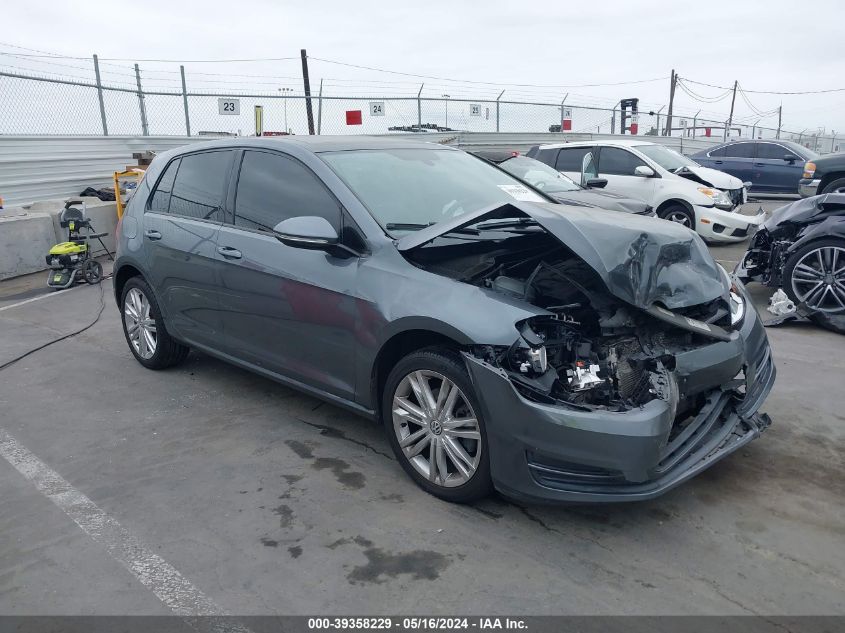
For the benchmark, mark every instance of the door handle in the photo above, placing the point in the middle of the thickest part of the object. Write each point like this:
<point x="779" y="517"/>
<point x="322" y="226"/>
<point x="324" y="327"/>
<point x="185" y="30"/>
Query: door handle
<point x="229" y="253"/>
<point x="152" y="234"/>
<point x="718" y="162"/>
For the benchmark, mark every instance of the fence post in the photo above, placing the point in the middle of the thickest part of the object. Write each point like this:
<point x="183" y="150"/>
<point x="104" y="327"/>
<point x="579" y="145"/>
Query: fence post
<point x="185" y="101"/>
<point x="145" y="129"/>
<point x="419" y="107"/>
<point x="833" y="142"/>
<point x="497" y="109"/>
<point x="319" y="109"/>
<point x="695" y="123"/>
<point x="613" y="121"/>
<point x="100" y="96"/>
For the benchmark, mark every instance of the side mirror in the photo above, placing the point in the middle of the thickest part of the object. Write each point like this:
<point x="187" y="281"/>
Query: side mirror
<point x="596" y="183"/>
<point x="588" y="169"/>
<point x="789" y="158"/>
<point x="307" y="231"/>
<point x="644" y="171"/>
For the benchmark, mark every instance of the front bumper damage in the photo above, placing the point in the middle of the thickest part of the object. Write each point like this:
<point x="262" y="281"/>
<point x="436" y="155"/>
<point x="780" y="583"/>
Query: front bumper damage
<point x="717" y="225"/>
<point x="541" y="452"/>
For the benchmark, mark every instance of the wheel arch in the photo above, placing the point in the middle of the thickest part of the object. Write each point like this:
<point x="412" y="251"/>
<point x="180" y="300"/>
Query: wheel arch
<point x="397" y="347"/>
<point x="829" y="178"/>
<point x="675" y="201"/>
<point x="121" y="276"/>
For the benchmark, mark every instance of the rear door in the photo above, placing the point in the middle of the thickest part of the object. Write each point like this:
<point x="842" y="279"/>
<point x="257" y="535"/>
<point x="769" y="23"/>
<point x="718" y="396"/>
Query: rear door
<point x="617" y="164"/>
<point x="286" y="310"/>
<point x="181" y="223"/>
<point x="772" y="172"/>
<point x="739" y="160"/>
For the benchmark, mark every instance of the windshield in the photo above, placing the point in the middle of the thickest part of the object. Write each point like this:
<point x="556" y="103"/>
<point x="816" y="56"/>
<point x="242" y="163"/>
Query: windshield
<point x="668" y="159"/>
<point x="538" y="175"/>
<point x="409" y="189"/>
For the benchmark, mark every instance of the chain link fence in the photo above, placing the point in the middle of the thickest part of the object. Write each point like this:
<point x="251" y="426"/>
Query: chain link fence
<point x="38" y="105"/>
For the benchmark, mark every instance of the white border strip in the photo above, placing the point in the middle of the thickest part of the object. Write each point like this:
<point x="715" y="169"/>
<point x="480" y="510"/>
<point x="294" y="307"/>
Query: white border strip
<point x="151" y="570"/>
<point x="38" y="298"/>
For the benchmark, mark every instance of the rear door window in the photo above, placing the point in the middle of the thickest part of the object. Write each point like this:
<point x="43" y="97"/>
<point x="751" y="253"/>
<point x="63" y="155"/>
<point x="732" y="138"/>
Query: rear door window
<point x="571" y="158"/>
<point x="618" y="162"/>
<point x="273" y="187"/>
<point x="719" y="152"/>
<point x="200" y="185"/>
<point x="160" y="200"/>
<point x="740" y="150"/>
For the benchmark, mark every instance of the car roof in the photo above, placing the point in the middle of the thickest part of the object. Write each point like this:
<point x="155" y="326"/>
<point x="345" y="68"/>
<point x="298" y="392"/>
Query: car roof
<point x="495" y="155"/>
<point x="317" y="144"/>
<point x="609" y="143"/>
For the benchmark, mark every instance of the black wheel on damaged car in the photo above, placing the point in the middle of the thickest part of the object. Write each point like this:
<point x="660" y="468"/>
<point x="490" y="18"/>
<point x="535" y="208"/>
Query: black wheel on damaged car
<point x="144" y="328"/>
<point x="680" y="214"/>
<point x="815" y="275"/>
<point x="434" y="424"/>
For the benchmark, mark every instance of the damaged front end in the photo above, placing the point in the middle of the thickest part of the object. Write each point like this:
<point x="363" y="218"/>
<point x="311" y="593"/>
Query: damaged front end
<point x="642" y="368"/>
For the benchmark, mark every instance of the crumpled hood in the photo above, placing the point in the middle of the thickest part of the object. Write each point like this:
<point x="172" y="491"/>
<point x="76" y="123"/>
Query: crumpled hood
<point x="601" y="199"/>
<point x="804" y="210"/>
<point x="715" y="178"/>
<point x="641" y="260"/>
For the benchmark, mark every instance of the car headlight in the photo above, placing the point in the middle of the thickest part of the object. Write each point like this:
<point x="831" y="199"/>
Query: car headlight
<point x="809" y="169"/>
<point x="719" y="197"/>
<point x="737" y="305"/>
<point x="528" y="354"/>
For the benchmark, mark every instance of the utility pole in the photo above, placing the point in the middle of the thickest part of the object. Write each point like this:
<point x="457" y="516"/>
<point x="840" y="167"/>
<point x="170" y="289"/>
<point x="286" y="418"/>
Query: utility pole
<point x="307" y="84"/>
<point x="780" y="112"/>
<point x="731" y="117"/>
<point x="100" y="96"/>
<point x="668" y="130"/>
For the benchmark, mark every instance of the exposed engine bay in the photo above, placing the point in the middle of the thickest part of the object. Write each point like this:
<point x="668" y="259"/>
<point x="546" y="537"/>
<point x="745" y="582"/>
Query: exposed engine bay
<point x="592" y="350"/>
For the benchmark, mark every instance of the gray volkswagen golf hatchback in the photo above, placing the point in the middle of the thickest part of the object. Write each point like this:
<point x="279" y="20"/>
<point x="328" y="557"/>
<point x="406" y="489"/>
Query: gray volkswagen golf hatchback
<point x="551" y="352"/>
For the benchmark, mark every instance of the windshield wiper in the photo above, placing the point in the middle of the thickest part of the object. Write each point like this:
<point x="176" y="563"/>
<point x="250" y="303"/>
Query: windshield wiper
<point x="505" y="224"/>
<point x="411" y="226"/>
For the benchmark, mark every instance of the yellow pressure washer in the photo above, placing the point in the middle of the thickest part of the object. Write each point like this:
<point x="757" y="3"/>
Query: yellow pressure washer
<point x="71" y="261"/>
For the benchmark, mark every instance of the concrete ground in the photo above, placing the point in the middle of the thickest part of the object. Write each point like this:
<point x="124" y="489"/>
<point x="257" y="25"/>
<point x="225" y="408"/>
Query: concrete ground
<point x="268" y="501"/>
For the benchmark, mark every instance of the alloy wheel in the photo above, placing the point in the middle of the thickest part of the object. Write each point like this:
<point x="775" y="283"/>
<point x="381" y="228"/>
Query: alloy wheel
<point x="680" y="217"/>
<point x="437" y="429"/>
<point x="140" y="326"/>
<point x="818" y="279"/>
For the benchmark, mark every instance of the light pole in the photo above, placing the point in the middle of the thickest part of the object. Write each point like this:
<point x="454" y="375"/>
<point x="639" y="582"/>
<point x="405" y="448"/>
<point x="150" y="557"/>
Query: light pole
<point x="284" y="92"/>
<point x="447" y="108"/>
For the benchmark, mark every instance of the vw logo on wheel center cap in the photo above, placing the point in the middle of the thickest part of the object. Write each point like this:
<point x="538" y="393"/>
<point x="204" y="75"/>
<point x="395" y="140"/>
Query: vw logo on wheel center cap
<point x="435" y="427"/>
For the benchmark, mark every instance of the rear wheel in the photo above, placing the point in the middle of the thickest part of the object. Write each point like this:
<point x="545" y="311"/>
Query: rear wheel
<point x="815" y="276"/>
<point x="679" y="214"/>
<point x="144" y="328"/>
<point x="834" y="185"/>
<point x="432" y="417"/>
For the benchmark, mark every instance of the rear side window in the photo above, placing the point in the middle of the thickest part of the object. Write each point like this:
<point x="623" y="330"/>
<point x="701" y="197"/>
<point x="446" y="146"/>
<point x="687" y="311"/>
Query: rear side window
<point x="570" y="158"/>
<point x="619" y="162"/>
<point x="160" y="201"/>
<point x="719" y="152"/>
<point x="200" y="186"/>
<point x="272" y="188"/>
<point x="740" y="150"/>
<point x="773" y="151"/>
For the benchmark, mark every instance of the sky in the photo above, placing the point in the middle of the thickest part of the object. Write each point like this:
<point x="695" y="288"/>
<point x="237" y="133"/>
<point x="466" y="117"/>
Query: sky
<point x="540" y="51"/>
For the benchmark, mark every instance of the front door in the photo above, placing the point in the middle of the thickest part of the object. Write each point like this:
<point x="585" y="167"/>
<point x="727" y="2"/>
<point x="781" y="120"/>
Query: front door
<point x="617" y="165"/>
<point x="773" y="172"/>
<point x="286" y="310"/>
<point x="739" y="161"/>
<point x="180" y="226"/>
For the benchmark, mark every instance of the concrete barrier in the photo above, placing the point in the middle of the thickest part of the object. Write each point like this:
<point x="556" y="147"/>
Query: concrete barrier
<point x="25" y="239"/>
<point x="27" y="234"/>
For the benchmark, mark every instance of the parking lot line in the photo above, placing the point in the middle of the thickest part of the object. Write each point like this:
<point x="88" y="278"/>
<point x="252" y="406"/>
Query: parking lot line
<point x="150" y="569"/>
<point x="38" y="298"/>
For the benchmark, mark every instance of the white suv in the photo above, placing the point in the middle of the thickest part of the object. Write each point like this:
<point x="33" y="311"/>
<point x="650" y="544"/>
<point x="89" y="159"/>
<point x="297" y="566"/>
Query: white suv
<point x="680" y="189"/>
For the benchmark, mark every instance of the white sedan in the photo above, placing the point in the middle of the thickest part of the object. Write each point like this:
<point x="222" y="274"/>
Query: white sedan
<point x="680" y="189"/>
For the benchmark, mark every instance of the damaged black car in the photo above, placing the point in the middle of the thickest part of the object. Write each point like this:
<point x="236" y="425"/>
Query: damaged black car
<point x="801" y="250"/>
<point x="553" y="353"/>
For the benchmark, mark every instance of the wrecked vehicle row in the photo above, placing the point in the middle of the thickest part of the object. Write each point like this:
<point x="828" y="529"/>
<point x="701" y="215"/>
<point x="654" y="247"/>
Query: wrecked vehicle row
<point x="554" y="352"/>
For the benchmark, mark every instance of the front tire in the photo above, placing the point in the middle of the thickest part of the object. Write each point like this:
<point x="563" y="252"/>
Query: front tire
<point x="835" y="185"/>
<point x="679" y="214"/>
<point x="433" y="421"/>
<point x="145" y="332"/>
<point x="815" y="276"/>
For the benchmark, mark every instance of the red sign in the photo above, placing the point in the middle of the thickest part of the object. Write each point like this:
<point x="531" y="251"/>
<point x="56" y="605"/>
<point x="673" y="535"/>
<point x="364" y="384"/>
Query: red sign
<point x="634" y="127"/>
<point x="353" y="117"/>
<point x="567" y="125"/>
<point x="707" y="131"/>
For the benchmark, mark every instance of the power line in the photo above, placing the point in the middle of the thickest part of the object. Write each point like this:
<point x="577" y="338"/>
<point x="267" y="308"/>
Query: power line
<point x="773" y="92"/>
<point x="488" y="83"/>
